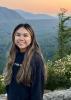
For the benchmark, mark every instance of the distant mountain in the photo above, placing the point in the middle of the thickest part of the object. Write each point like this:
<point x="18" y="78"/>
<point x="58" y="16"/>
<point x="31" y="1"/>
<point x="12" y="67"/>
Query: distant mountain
<point x="45" y="28"/>
<point x="32" y="16"/>
<point x="9" y="14"/>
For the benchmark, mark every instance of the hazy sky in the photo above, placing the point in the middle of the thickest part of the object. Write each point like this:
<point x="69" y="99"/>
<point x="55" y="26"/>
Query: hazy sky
<point x="38" y="6"/>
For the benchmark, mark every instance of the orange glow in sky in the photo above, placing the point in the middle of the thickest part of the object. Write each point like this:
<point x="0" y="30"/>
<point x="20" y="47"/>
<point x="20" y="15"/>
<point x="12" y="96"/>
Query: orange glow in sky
<point x="38" y="6"/>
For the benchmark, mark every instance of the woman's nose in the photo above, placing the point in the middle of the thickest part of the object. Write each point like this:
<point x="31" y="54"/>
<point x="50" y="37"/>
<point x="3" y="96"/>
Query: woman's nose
<point x="22" y="39"/>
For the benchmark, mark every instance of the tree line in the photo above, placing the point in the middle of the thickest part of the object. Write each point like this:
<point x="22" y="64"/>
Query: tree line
<point x="64" y="35"/>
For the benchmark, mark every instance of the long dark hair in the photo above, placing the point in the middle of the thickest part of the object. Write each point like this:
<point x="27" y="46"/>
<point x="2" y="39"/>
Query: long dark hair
<point x="24" y="73"/>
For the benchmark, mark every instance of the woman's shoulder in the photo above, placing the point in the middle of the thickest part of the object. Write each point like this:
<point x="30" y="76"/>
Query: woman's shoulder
<point x="38" y="58"/>
<point x="36" y="55"/>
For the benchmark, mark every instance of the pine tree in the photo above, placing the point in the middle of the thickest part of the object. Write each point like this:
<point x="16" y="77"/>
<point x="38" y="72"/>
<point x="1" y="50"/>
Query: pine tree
<point x="64" y="33"/>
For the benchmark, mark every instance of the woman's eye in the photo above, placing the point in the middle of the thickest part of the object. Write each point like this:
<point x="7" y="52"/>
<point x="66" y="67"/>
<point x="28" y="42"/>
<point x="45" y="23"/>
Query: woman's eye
<point x="25" y="35"/>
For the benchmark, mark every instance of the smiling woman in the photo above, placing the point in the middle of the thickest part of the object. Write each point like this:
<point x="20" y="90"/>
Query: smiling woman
<point x="22" y="38"/>
<point x="25" y="70"/>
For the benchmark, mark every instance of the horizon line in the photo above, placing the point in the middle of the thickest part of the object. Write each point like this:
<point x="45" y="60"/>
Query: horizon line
<point x="46" y="13"/>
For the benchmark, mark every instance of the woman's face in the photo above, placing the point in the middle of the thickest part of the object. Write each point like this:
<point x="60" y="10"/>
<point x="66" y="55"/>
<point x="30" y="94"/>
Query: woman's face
<point x="22" y="38"/>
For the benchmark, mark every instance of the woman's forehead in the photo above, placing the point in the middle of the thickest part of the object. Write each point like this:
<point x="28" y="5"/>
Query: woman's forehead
<point x="22" y="30"/>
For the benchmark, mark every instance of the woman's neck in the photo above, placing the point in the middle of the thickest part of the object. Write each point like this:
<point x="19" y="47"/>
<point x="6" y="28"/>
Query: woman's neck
<point x="22" y="50"/>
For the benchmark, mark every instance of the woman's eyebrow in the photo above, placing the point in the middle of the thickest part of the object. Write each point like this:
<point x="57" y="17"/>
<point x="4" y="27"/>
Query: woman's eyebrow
<point x="18" y="33"/>
<point x="21" y="33"/>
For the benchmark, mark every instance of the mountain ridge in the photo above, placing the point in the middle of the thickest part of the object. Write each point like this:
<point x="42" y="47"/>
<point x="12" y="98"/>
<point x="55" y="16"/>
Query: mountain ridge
<point x="29" y="15"/>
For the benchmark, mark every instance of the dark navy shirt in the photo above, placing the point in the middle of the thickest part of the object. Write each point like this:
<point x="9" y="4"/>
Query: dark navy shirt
<point x="18" y="91"/>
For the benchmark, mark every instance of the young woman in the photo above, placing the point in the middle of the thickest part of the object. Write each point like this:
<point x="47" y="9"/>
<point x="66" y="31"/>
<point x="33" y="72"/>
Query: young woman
<point x="25" y="70"/>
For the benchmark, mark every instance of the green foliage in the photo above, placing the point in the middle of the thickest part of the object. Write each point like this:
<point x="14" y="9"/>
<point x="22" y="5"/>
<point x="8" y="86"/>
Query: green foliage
<point x="2" y="86"/>
<point x="59" y="74"/>
<point x="64" y="34"/>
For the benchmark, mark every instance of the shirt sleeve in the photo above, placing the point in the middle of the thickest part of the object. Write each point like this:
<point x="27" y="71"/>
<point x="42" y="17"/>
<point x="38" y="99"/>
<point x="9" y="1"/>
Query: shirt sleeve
<point x="37" y="88"/>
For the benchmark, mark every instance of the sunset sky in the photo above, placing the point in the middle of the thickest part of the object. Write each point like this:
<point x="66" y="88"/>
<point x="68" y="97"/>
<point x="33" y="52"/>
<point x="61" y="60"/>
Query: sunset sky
<point x="38" y="6"/>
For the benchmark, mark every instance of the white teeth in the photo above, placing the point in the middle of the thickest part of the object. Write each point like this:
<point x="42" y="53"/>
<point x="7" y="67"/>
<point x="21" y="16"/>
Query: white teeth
<point x="21" y="42"/>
